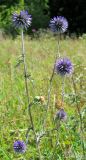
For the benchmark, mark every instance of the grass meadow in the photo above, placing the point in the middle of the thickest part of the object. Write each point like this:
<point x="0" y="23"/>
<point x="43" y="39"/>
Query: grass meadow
<point x="67" y="142"/>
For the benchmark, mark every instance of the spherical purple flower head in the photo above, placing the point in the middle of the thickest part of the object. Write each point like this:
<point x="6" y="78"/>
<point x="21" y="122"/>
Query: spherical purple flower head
<point x="22" y="20"/>
<point x="64" y="66"/>
<point x="19" y="146"/>
<point x="58" y="24"/>
<point x="61" y="114"/>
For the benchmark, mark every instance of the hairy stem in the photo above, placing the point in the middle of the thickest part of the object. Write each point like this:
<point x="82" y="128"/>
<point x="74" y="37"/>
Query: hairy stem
<point x="58" y="42"/>
<point x="25" y="76"/>
<point x="53" y="71"/>
<point x="50" y="81"/>
<point x="28" y="99"/>
<point x="63" y="90"/>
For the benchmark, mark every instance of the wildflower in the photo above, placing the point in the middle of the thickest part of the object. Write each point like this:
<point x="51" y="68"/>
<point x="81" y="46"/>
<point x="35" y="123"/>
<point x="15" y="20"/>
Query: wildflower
<point x="58" y="24"/>
<point x="19" y="146"/>
<point x="61" y="114"/>
<point x="22" y="20"/>
<point x="64" y="66"/>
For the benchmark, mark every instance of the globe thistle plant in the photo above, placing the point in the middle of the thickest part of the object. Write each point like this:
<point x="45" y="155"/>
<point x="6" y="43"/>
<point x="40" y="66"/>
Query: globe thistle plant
<point x="64" y="66"/>
<point x="58" y="24"/>
<point x="22" y="20"/>
<point x="19" y="146"/>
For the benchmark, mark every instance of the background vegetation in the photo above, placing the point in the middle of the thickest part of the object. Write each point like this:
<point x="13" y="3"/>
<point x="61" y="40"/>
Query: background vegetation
<point x="67" y="142"/>
<point x="40" y="53"/>
<point x="42" y="10"/>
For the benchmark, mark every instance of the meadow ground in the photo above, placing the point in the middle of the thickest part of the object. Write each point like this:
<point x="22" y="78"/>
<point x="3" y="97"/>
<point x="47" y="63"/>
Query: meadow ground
<point x="14" y="119"/>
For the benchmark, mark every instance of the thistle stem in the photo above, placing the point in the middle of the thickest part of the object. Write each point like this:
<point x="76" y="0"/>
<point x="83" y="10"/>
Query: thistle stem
<point x="52" y="75"/>
<point x="51" y="79"/>
<point x="63" y="90"/>
<point x="25" y="69"/>
<point x="58" y="42"/>
<point x="27" y="93"/>
<point x="49" y="92"/>
<point x="25" y="76"/>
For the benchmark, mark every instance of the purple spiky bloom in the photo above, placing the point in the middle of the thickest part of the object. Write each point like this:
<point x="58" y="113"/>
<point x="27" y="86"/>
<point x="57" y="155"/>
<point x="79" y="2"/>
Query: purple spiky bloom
<point x="61" y="114"/>
<point x="19" y="146"/>
<point x="58" y="24"/>
<point x="22" y="20"/>
<point x="64" y="66"/>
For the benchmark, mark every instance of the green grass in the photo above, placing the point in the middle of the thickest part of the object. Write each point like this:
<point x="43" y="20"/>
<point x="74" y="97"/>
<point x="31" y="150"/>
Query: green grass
<point x="14" y="119"/>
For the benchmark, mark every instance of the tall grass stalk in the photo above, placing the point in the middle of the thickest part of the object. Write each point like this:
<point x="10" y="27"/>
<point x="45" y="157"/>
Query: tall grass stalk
<point x="57" y="141"/>
<point x="72" y="145"/>
<point x="4" y="154"/>
<point x="80" y="116"/>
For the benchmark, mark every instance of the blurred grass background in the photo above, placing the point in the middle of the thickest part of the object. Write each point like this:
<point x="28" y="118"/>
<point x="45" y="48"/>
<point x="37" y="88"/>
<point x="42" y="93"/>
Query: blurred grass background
<point x="14" y="119"/>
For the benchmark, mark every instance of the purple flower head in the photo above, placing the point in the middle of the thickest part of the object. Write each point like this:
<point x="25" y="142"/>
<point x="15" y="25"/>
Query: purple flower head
<point x="61" y="114"/>
<point x="58" y="24"/>
<point x="22" y="20"/>
<point x="64" y="66"/>
<point x="19" y="146"/>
